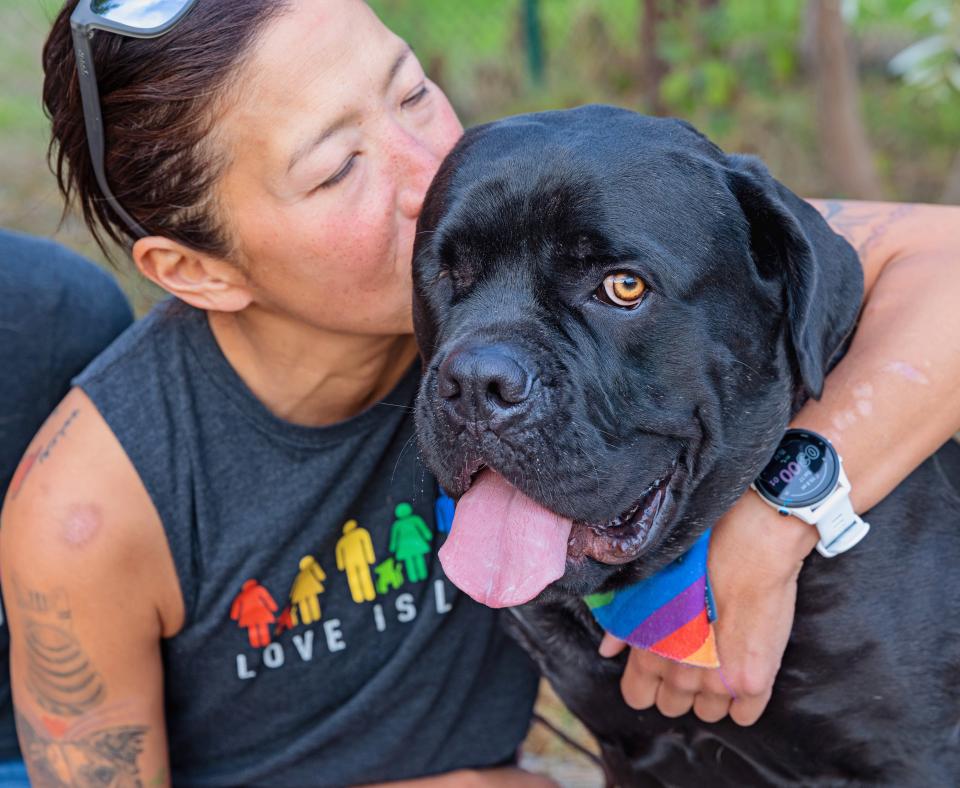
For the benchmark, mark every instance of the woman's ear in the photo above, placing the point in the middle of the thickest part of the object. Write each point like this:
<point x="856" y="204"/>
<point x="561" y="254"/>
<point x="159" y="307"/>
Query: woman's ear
<point x="199" y="279"/>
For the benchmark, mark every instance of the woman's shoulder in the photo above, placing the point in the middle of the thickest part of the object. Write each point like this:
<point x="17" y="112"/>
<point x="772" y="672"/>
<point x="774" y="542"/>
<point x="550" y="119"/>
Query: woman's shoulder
<point x="76" y="460"/>
<point x="145" y="346"/>
<point x="76" y="503"/>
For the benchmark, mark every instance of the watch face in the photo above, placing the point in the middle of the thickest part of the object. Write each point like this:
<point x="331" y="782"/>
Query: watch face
<point x="803" y="471"/>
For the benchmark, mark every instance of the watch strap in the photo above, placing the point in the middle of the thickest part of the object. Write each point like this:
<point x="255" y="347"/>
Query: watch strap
<point x="839" y="526"/>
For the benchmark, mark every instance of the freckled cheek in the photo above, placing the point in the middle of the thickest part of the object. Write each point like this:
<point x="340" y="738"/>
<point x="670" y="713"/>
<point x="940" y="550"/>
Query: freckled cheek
<point x="367" y="244"/>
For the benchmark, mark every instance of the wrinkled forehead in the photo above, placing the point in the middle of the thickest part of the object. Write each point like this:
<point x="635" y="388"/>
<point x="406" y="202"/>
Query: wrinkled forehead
<point x="588" y="188"/>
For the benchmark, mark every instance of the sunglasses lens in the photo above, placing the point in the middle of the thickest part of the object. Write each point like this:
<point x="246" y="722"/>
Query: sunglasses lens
<point x="143" y="14"/>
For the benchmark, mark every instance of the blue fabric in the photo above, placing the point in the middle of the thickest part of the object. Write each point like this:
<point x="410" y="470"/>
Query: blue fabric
<point x="404" y="678"/>
<point x="13" y="774"/>
<point x="643" y="599"/>
<point x="670" y="613"/>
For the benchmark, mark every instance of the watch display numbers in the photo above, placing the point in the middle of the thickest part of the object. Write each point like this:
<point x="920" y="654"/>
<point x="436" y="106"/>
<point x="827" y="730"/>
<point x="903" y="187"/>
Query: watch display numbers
<point x="802" y="471"/>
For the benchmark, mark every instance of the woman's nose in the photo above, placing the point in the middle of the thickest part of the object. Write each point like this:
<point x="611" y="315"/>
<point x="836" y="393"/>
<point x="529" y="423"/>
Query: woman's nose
<point x="417" y="164"/>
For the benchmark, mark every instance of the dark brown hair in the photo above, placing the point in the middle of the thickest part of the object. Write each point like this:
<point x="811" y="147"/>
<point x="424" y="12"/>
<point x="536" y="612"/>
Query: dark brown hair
<point x="159" y="99"/>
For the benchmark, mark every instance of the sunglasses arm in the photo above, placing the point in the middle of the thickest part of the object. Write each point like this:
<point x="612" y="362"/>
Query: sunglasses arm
<point x="93" y="120"/>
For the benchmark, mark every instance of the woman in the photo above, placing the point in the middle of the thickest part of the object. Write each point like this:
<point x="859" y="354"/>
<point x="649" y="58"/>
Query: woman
<point x="276" y="155"/>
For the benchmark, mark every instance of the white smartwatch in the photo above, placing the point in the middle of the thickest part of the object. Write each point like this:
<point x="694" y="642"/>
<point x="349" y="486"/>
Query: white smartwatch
<point x="805" y="479"/>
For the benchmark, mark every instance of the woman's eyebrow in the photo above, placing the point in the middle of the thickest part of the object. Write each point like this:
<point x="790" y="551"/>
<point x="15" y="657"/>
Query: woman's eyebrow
<point x="397" y="64"/>
<point x="350" y="117"/>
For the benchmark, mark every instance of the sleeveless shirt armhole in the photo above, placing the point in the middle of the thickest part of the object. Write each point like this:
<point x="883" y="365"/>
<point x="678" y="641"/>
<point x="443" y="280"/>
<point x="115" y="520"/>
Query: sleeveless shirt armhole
<point x="183" y="547"/>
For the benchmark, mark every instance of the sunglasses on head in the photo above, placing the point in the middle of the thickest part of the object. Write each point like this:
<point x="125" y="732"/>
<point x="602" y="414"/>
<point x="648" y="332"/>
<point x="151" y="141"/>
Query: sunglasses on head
<point x="134" y="18"/>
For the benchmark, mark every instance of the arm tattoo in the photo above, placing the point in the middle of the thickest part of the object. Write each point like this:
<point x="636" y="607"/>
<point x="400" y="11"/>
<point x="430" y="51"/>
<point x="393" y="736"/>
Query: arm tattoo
<point x="105" y="757"/>
<point x="35" y="457"/>
<point x="862" y="225"/>
<point x="60" y="676"/>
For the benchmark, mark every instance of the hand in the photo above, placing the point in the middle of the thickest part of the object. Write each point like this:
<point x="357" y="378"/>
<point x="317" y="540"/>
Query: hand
<point x="754" y="560"/>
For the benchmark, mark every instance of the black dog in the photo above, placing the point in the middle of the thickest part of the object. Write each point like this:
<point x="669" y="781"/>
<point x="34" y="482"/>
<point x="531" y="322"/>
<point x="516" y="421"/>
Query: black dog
<point x="617" y="321"/>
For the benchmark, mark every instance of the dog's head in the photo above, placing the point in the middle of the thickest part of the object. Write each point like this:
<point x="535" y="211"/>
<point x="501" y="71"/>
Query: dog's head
<point x="616" y="321"/>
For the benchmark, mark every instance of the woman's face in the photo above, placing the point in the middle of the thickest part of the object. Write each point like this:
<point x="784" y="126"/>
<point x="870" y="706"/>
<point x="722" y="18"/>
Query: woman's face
<point x="332" y="141"/>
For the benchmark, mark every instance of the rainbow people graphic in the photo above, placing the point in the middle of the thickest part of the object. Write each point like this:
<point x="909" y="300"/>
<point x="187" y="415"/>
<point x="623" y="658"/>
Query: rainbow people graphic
<point x="306" y="590"/>
<point x="354" y="556"/>
<point x="254" y="610"/>
<point x="389" y="576"/>
<point x="410" y="542"/>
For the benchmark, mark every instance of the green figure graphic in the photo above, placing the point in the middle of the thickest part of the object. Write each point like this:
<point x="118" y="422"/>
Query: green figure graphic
<point x="306" y="590"/>
<point x="389" y="575"/>
<point x="354" y="556"/>
<point x="410" y="542"/>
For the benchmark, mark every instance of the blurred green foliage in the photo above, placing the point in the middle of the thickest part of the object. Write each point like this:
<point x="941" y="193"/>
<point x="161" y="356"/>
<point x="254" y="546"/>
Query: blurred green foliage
<point x="736" y="68"/>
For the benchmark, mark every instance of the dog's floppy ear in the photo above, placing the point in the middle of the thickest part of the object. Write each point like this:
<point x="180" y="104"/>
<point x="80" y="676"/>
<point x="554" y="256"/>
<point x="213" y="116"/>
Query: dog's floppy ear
<point x="820" y="272"/>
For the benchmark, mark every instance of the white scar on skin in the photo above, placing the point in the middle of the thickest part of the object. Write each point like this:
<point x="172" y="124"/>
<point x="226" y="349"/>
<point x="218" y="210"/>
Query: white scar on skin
<point x="81" y="525"/>
<point x="905" y="370"/>
<point x="862" y="393"/>
<point x="844" y="419"/>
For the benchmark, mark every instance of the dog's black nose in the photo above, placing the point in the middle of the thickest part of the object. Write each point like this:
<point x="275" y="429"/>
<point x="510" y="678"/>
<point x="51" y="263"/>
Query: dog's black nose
<point x="484" y="381"/>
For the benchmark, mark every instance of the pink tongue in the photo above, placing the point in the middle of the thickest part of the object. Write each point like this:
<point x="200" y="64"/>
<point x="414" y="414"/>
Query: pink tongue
<point x="504" y="548"/>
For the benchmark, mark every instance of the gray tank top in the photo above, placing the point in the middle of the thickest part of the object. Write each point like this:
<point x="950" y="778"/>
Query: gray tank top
<point x="323" y="645"/>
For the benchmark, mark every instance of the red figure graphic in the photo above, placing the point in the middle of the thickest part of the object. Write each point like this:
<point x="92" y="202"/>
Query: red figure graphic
<point x="286" y="620"/>
<point x="253" y="610"/>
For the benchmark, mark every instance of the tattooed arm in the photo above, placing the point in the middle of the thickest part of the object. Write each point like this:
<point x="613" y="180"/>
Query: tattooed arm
<point x="89" y="589"/>
<point x="892" y="402"/>
<point x="889" y="404"/>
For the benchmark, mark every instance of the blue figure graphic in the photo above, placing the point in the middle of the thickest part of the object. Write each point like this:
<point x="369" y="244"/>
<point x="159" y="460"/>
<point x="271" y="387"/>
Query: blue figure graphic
<point x="443" y="512"/>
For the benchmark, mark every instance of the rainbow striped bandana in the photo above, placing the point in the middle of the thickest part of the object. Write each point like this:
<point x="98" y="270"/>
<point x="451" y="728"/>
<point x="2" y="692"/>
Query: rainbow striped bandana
<point x="670" y="614"/>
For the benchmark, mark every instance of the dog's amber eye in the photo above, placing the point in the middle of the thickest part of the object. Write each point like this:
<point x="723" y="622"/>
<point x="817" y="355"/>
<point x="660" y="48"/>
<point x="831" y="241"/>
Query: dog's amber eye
<point x="622" y="288"/>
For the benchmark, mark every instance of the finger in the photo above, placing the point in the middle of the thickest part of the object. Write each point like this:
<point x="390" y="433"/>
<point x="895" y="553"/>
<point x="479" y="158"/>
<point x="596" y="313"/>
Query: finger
<point x="746" y="710"/>
<point x="639" y="690"/>
<point x="672" y="702"/>
<point x="710" y="707"/>
<point x="640" y="680"/>
<point x="642" y="677"/>
<point x="685" y="678"/>
<point x="611" y="646"/>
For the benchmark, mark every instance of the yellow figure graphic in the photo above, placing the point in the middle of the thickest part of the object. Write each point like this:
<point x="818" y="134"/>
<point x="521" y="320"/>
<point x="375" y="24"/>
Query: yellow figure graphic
<point x="306" y="590"/>
<point x="354" y="556"/>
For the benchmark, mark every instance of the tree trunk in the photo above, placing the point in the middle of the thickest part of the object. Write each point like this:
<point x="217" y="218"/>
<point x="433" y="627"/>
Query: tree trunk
<point x="652" y="67"/>
<point x="844" y="146"/>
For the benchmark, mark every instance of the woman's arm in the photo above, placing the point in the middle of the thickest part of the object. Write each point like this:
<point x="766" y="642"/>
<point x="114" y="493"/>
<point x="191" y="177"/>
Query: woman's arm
<point x="89" y="589"/>
<point x="889" y="404"/>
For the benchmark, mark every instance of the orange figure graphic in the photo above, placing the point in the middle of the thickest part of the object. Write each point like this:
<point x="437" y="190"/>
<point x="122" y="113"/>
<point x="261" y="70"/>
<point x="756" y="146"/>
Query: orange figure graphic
<point x="306" y="590"/>
<point x="354" y="556"/>
<point x="253" y="610"/>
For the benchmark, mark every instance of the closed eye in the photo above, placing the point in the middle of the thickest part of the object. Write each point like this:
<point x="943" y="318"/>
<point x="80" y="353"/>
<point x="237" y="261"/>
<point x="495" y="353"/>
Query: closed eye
<point x="340" y="174"/>
<point x="416" y="97"/>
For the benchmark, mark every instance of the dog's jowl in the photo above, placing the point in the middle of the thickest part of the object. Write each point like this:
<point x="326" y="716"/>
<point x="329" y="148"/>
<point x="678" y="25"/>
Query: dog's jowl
<point x="617" y="322"/>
